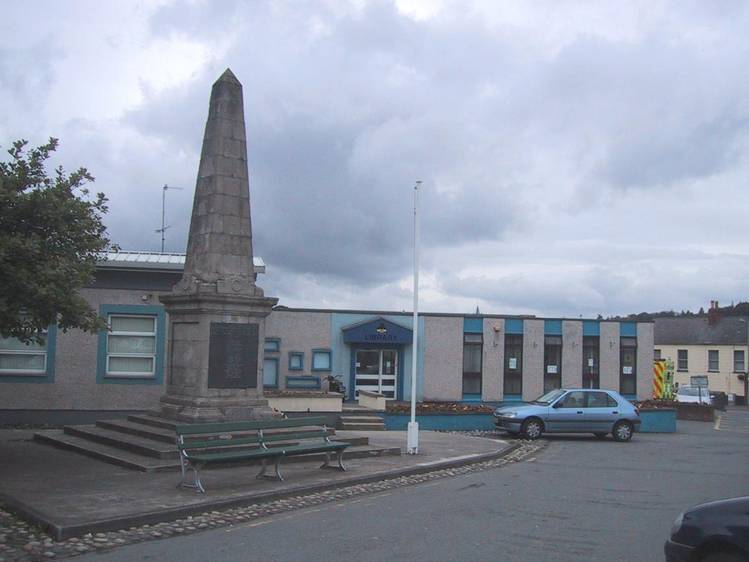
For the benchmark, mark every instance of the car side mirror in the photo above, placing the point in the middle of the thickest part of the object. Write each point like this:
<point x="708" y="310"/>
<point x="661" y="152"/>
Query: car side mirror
<point x="557" y="405"/>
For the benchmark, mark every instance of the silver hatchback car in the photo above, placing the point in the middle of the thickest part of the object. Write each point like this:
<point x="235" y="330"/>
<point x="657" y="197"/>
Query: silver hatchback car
<point x="571" y="410"/>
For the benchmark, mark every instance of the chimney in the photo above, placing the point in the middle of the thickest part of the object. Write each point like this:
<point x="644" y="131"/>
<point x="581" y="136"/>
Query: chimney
<point x="713" y="314"/>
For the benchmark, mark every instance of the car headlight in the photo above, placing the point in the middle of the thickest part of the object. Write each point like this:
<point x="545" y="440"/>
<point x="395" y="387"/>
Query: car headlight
<point x="509" y="414"/>
<point x="677" y="524"/>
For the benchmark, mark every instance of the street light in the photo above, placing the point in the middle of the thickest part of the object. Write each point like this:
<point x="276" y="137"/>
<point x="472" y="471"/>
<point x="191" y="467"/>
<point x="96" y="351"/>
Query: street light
<point x="413" y="425"/>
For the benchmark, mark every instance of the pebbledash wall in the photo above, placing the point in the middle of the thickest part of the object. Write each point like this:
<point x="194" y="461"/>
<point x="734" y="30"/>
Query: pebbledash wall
<point x="460" y="357"/>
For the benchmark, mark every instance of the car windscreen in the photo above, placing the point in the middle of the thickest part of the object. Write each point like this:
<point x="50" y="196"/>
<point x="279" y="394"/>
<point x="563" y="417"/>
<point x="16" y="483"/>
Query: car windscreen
<point x="549" y="397"/>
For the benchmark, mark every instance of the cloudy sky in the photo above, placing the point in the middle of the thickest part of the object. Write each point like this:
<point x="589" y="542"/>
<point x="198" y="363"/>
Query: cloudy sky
<point x="577" y="158"/>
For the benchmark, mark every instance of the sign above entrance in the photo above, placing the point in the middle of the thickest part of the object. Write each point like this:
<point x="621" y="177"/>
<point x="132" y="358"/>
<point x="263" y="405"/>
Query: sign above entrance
<point x="377" y="331"/>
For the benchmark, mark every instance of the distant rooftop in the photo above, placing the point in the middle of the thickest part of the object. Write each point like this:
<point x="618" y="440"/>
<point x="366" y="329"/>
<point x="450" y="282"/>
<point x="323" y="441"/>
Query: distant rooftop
<point x="156" y="260"/>
<point x="727" y="330"/>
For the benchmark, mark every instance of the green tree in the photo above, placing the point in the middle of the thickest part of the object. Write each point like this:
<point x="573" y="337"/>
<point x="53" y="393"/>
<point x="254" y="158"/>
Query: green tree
<point x="51" y="236"/>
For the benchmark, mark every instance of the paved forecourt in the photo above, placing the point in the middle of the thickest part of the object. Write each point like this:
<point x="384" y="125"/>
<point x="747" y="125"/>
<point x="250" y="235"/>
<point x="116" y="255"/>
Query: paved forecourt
<point x="71" y="494"/>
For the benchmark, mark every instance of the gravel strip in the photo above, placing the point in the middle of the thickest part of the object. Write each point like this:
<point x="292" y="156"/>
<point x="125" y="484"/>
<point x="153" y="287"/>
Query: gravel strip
<point x="22" y="542"/>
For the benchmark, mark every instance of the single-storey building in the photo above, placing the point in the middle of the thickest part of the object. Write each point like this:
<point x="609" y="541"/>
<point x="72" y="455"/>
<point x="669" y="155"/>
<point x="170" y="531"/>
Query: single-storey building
<point x="471" y="357"/>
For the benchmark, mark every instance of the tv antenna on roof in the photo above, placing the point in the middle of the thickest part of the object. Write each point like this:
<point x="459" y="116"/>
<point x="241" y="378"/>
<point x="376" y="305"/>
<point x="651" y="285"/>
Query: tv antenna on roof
<point x="163" y="212"/>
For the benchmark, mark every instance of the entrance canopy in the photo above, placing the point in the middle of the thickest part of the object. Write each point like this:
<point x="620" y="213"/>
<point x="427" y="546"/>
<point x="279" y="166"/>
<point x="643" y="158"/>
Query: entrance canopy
<point x="377" y="331"/>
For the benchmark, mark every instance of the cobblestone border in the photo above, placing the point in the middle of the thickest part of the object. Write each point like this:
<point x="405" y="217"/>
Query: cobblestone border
<point x="21" y="542"/>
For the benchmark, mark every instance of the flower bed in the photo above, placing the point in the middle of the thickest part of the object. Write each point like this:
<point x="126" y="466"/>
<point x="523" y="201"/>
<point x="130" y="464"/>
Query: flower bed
<point x="439" y="408"/>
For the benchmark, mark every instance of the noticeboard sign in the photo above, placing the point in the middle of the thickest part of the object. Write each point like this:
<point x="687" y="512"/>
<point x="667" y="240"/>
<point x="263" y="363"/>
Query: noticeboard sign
<point x="700" y="380"/>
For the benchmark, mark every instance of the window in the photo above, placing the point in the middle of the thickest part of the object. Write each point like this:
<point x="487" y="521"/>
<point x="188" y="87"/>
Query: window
<point x="131" y="346"/>
<point x="738" y="361"/>
<point x="513" y="383"/>
<point x="132" y="350"/>
<point x="472" y="350"/>
<point x="272" y="345"/>
<point x="713" y="361"/>
<point x="574" y="399"/>
<point x="591" y="361"/>
<point x="628" y="362"/>
<point x="321" y="360"/>
<point x="600" y="400"/>
<point x="296" y="361"/>
<point x="657" y="355"/>
<point x="270" y="372"/>
<point x="33" y="362"/>
<point x="552" y="362"/>
<point x="683" y="360"/>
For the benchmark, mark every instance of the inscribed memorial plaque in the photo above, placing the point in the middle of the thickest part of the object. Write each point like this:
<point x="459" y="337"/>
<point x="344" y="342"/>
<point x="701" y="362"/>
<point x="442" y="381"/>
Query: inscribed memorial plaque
<point x="233" y="355"/>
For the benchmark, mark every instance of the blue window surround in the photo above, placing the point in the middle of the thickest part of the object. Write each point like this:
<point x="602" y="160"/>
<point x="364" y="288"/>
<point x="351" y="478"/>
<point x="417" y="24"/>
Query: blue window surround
<point x="303" y="382"/>
<point x="514" y="326"/>
<point x="274" y="348"/>
<point x="591" y="328"/>
<point x="330" y="359"/>
<point x="275" y="360"/>
<point x="146" y="310"/>
<point x="471" y="398"/>
<point x="552" y="327"/>
<point x="299" y="354"/>
<point x="628" y="329"/>
<point x="49" y="375"/>
<point x="513" y="398"/>
<point x="473" y="325"/>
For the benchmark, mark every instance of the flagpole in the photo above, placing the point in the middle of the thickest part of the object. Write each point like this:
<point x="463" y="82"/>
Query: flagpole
<point x="413" y="425"/>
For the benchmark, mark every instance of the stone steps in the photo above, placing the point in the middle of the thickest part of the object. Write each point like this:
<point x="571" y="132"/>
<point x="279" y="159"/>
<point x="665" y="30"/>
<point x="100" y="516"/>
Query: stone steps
<point x="132" y="443"/>
<point x="362" y="422"/>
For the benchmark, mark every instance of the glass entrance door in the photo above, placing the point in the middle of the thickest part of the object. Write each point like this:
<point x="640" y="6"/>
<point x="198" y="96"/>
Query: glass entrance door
<point x="376" y="371"/>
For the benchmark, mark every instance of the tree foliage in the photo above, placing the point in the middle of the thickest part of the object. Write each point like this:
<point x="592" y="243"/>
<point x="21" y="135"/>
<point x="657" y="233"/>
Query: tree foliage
<point x="51" y="235"/>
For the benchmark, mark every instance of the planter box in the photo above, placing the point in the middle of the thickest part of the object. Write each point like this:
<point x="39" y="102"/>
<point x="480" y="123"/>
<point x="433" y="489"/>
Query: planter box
<point x="658" y="421"/>
<point x="695" y="412"/>
<point x="372" y="400"/>
<point x="448" y="422"/>
<point x="304" y="401"/>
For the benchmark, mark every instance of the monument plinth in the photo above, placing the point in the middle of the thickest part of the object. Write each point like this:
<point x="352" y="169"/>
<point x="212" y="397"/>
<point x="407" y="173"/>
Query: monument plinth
<point x="216" y="311"/>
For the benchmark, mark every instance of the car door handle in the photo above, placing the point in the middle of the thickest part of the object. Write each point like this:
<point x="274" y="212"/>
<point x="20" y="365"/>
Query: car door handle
<point x="615" y="412"/>
<point x="579" y="411"/>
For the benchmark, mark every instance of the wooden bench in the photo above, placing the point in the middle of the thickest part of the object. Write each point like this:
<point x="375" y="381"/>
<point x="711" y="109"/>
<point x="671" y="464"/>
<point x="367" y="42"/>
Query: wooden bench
<point x="214" y="443"/>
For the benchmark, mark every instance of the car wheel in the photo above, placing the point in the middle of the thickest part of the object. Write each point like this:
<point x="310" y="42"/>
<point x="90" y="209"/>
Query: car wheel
<point x="600" y="435"/>
<point x="723" y="556"/>
<point x="532" y="428"/>
<point x="622" y="431"/>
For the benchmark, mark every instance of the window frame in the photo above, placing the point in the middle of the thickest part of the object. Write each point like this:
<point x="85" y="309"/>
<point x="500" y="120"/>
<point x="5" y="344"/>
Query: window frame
<point x="35" y="376"/>
<point x="513" y="377"/>
<point x="743" y="361"/>
<point x="107" y="310"/>
<point x="278" y="374"/>
<point x="592" y="375"/>
<point x="275" y="348"/>
<point x="110" y="355"/>
<point x="474" y="342"/>
<point x="627" y="343"/>
<point x="710" y="361"/>
<point x="557" y="343"/>
<point x="323" y="351"/>
<point x="300" y="355"/>
<point x="685" y="360"/>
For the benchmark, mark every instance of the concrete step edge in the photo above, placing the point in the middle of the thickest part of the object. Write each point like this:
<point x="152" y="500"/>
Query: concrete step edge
<point x="137" y="429"/>
<point x="146" y="447"/>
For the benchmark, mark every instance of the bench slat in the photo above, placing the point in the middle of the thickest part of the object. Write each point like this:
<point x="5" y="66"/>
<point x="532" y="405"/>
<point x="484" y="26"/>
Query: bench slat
<point x="236" y="455"/>
<point x="318" y="434"/>
<point x="219" y="443"/>
<point x="228" y="427"/>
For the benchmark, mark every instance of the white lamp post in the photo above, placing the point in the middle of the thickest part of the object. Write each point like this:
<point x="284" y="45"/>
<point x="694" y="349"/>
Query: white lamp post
<point x="413" y="425"/>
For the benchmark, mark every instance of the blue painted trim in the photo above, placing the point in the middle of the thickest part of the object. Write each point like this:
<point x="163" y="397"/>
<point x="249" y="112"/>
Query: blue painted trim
<point x="591" y="328"/>
<point x="552" y="327"/>
<point x="296" y="354"/>
<point x="514" y="326"/>
<point x="630" y="397"/>
<point x="275" y="349"/>
<point x="513" y="398"/>
<point x="330" y="359"/>
<point x="304" y="382"/>
<point x="471" y="398"/>
<point x="274" y="360"/>
<point x="101" y="356"/>
<point x="628" y="329"/>
<point x="657" y="421"/>
<point x="473" y="325"/>
<point x="49" y="374"/>
<point x="399" y="422"/>
<point x="401" y="376"/>
<point x="366" y="333"/>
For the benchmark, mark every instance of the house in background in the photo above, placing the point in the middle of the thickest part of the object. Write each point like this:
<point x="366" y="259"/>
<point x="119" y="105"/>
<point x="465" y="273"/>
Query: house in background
<point x="715" y="345"/>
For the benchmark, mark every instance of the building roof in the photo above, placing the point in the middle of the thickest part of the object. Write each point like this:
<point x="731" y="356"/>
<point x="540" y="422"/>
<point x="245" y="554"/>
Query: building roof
<point x="156" y="260"/>
<point x="727" y="330"/>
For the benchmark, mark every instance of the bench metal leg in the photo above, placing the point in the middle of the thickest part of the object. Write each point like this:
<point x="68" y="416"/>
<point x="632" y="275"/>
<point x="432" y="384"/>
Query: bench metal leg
<point x="340" y="466"/>
<point x="196" y="483"/>
<point x="276" y="476"/>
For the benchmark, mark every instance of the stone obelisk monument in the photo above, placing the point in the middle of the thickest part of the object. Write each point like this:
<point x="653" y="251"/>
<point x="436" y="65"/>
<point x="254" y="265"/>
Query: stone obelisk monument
<point x="217" y="312"/>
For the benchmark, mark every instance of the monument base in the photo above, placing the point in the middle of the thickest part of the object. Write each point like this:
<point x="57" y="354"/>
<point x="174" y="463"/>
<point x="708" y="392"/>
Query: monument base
<point x="198" y="410"/>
